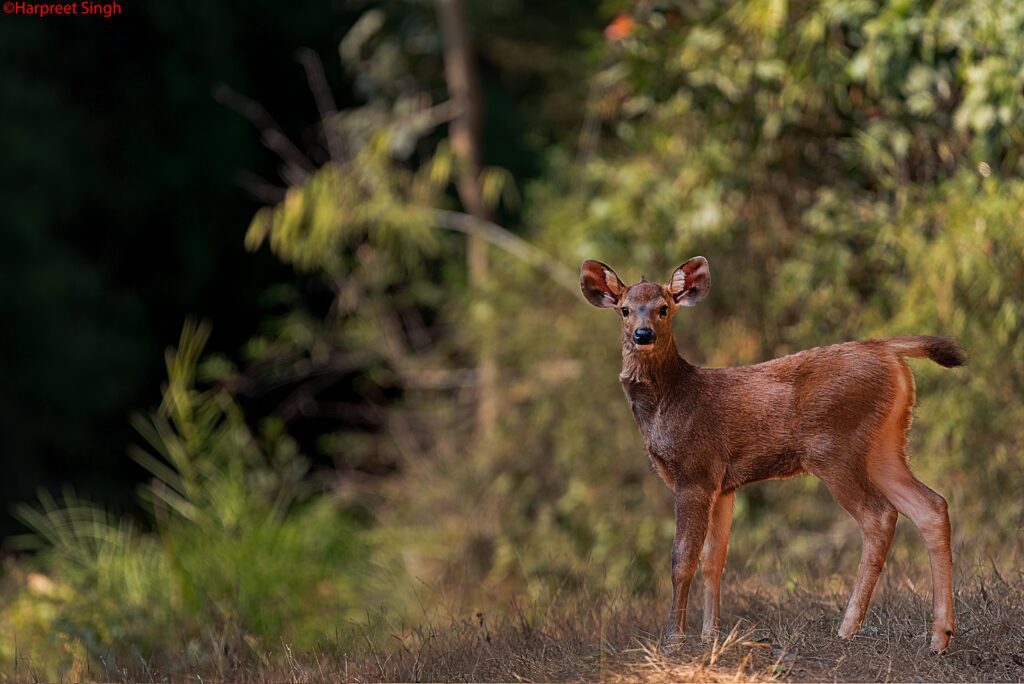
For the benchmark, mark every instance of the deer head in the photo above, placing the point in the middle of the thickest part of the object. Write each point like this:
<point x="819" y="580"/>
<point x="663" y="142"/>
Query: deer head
<point x="646" y="308"/>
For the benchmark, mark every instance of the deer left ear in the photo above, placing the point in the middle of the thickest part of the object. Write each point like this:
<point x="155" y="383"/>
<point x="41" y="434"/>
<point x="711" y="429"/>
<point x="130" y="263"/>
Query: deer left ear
<point x="690" y="282"/>
<point x="600" y="285"/>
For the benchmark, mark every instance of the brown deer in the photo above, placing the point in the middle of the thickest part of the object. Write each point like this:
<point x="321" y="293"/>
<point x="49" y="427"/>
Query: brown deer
<point x="840" y="412"/>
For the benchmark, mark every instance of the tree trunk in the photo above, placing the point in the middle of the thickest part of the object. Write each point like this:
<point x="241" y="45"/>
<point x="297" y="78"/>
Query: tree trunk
<point x="464" y="136"/>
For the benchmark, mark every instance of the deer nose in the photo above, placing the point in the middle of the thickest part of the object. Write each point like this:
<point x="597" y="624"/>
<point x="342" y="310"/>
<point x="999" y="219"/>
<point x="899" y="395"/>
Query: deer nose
<point x="643" y="335"/>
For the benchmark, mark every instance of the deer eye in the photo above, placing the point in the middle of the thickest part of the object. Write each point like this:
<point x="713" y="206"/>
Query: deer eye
<point x="625" y="311"/>
<point x="663" y="311"/>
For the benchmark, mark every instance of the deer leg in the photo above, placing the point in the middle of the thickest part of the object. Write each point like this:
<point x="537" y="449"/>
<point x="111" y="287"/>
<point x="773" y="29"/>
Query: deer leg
<point x="716" y="547"/>
<point x="930" y="514"/>
<point x="877" y="520"/>
<point x="693" y="511"/>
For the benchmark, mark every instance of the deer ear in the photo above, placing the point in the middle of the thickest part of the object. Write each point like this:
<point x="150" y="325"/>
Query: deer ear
<point x="600" y="285"/>
<point x="690" y="282"/>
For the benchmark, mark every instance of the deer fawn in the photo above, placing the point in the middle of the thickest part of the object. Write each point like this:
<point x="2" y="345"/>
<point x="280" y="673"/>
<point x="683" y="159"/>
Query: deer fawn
<point x="840" y="412"/>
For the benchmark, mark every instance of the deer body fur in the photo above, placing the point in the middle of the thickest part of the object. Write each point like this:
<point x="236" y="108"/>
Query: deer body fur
<point x="839" y="412"/>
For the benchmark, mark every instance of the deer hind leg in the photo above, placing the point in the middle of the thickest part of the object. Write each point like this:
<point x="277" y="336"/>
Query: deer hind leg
<point x="888" y="470"/>
<point x="929" y="512"/>
<point x="877" y="520"/>
<point x="716" y="547"/>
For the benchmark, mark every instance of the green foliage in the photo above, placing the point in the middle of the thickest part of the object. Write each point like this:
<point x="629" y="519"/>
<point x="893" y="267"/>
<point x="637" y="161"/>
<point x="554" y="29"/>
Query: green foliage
<point x="834" y="162"/>
<point x="366" y="198"/>
<point x="244" y="552"/>
<point x="831" y="208"/>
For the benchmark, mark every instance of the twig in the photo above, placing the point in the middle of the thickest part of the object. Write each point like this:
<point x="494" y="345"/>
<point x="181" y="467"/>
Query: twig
<point x="511" y="243"/>
<point x="431" y="117"/>
<point x="297" y="164"/>
<point x="265" y="192"/>
<point x="324" y="99"/>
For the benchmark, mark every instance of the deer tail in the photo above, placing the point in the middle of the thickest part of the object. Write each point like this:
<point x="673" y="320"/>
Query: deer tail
<point x="942" y="350"/>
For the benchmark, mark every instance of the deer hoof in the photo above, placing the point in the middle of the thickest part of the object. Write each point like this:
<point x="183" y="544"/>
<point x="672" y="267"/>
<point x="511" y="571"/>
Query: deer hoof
<point x="710" y="631"/>
<point x="940" y="640"/>
<point x="671" y="636"/>
<point x="847" y="632"/>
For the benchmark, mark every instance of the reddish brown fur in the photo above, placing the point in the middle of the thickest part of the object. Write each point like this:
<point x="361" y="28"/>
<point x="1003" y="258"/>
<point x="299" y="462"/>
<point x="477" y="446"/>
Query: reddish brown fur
<point x="839" y="412"/>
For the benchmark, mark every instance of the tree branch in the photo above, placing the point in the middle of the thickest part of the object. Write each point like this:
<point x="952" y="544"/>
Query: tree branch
<point x="325" y="105"/>
<point x="510" y="242"/>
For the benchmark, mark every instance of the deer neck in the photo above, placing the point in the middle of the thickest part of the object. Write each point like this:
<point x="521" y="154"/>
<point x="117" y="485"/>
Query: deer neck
<point x="658" y="368"/>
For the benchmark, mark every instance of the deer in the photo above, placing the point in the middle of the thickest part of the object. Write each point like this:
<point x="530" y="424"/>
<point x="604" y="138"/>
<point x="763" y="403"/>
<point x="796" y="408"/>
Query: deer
<point x="840" y="412"/>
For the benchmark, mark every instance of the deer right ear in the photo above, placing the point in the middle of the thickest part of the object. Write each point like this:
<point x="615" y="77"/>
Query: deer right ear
<point x="600" y="285"/>
<point x="690" y="282"/>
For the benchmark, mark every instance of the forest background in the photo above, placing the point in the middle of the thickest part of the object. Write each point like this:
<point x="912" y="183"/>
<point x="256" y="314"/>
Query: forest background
<point x="355" y="227"/>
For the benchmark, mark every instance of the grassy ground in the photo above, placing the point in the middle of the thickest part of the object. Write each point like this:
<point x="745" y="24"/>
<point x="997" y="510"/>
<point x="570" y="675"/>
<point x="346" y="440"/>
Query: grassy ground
<point x="785" y="635"/>
<point x="775" y="634"/>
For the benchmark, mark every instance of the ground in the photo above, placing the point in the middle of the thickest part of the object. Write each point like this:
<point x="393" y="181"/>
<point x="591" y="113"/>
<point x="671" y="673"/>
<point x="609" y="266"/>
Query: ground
<point x="773" y="633"/>
<point x="788" y="635"/>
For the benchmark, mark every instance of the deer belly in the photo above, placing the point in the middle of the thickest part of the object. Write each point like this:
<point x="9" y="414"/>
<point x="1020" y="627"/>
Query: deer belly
<point x="745" y="470"/>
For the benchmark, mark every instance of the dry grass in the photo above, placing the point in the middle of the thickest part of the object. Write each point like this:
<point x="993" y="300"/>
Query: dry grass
<point x="782" y="635"/>
<point x="775" y="634"/>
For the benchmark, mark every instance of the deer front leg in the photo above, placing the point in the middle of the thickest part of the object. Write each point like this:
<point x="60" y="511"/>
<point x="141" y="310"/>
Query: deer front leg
<point x="712" y="561"/>
<point x="693" y="511"/>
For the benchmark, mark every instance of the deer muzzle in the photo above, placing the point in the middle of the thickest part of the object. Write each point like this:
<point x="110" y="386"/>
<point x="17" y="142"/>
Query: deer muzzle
<point x="643" y="336"/>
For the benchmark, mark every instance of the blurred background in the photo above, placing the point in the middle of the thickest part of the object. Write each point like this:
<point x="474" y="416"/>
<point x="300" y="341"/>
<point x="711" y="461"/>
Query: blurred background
<point x="292" y="339"/>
